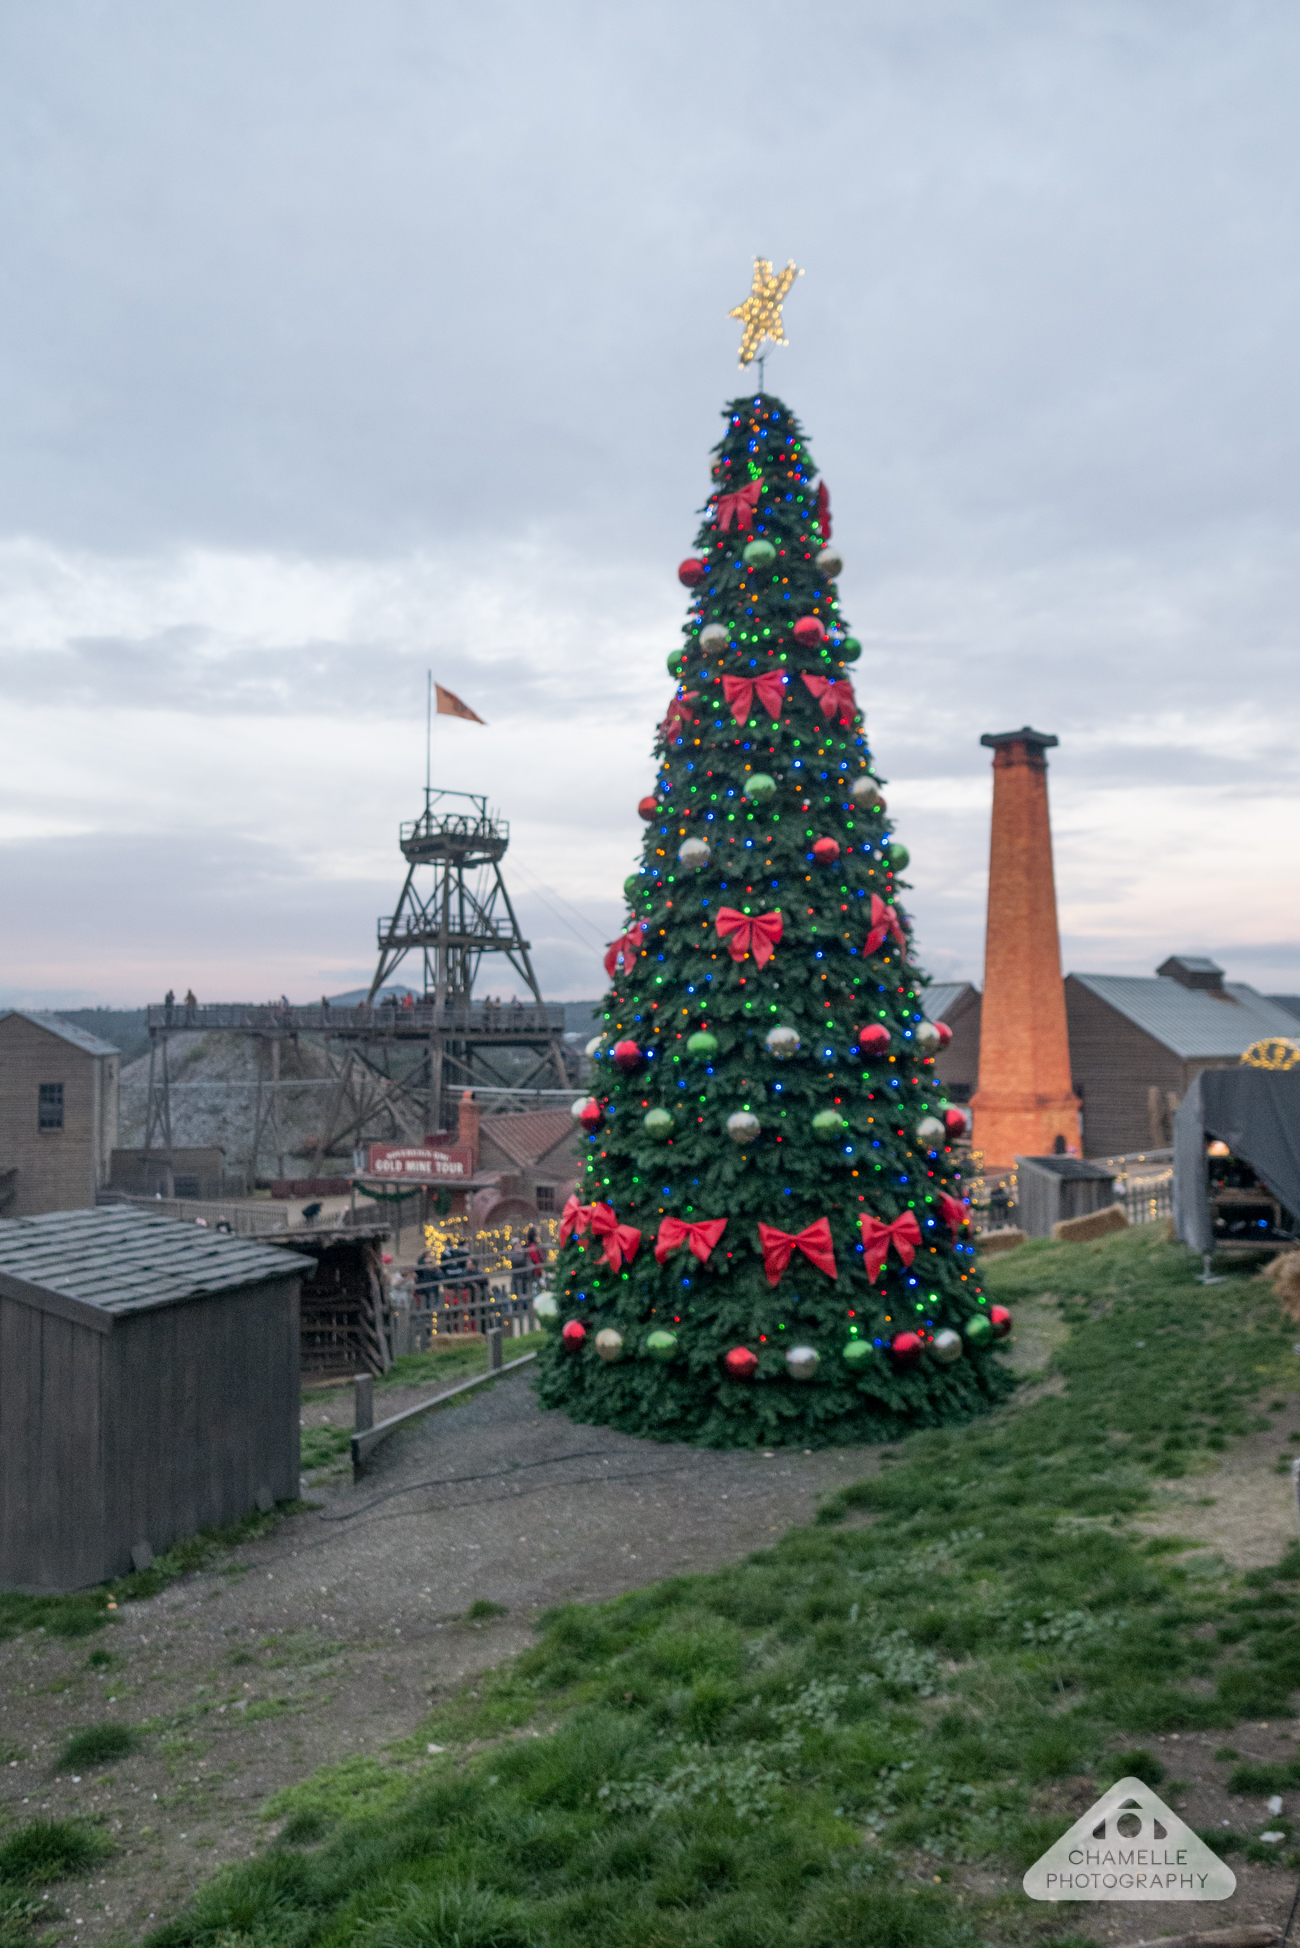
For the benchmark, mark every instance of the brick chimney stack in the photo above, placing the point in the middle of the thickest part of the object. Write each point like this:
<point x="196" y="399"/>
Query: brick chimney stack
<point x="467" y="1122"/>
<point x="1025" y="1100"/>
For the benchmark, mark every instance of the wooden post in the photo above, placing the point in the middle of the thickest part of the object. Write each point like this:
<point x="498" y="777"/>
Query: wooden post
<point x="363" y="1391"/>
<point x="493" y="1337"/>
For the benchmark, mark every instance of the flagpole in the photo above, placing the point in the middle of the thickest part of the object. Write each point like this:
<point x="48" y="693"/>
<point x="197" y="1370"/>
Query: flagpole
<point x="428" y="741"/>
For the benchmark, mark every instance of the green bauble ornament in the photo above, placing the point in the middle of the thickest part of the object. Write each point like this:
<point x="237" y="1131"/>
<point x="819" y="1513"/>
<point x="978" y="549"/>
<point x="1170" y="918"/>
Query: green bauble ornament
<point x="632" y="886"/>
<point x="828" y="1124"/>
<point x="701" y="1043"/>
<point x="979" y="1329"/>
<point x="857" y="1354"/>
<point x="759" y="554"/>
<point x="760" y="789"/>
<point x="897" y="856"/>
<point x="850" y="650"/>
<point x="676" y="662"/>
<point x="657" y="1123"/>
<point x="661" y="1345"/>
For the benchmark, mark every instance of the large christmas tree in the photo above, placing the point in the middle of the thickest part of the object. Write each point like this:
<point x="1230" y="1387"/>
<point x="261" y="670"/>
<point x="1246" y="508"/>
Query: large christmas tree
<point x="771" y="1240"/>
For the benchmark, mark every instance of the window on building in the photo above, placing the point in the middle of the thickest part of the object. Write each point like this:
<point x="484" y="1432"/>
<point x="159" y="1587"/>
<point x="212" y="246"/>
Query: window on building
<point x="546" y="1197"/>
<point x="49" y="1105"/>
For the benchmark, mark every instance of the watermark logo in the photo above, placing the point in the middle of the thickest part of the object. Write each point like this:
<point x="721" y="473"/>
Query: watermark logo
<point x="1129" y="1847"/>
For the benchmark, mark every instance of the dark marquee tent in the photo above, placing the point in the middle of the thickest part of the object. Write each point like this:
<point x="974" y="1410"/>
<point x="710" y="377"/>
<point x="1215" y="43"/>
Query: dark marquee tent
<point x="1256" y="1112"/>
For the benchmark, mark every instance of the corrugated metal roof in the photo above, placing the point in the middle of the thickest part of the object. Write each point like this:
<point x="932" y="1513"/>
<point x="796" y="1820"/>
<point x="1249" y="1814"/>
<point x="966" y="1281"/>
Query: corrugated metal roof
<point x="940" y="996"/>
<point x="1291" y="1002"/>
<point x="122" y="1261"/>
<point x="1192" y="1021"/>
<point x="65" y="1030"/>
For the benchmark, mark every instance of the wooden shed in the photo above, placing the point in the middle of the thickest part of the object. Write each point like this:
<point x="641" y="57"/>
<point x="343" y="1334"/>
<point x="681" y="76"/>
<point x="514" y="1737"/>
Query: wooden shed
<point x="149" y="1388"/>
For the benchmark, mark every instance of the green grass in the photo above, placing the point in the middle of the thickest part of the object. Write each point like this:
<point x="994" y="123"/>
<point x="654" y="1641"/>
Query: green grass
<point x="83" y="1612"/>
<point x="961" y="1630"/>
<point x="97" y="1745"/>
<point x="452" y="1357"/>
<point x="50" y="1849"/>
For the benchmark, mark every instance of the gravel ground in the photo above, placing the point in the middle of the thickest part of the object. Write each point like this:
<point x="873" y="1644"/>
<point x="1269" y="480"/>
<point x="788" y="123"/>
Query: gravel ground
<point x="332" y="1636"/>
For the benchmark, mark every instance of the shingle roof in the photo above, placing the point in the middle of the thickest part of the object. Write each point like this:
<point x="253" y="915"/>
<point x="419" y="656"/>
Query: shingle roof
<point x="119" y="1260"/>
<point x="1192" y="1021"/>
<point x="529" y="1135"/>
<point x="79" y="1038"/>
<point x="940" y="996"/>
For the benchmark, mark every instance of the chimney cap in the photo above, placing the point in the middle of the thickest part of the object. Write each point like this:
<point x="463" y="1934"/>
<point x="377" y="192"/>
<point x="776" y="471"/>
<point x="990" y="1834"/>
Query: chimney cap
<point x="1042" y="740"/>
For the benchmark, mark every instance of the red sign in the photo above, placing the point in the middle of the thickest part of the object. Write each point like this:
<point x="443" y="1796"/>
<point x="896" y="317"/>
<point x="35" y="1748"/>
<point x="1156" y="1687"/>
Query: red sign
<point x="420" y="1166"/>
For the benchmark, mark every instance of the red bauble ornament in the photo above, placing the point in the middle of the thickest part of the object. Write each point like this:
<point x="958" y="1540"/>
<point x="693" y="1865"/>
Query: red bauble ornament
<point x="691" y="572"/>
<point x="627" y="1056"/>
<point x="648" y="808"/>
<point x="875" y="1040"/>
<point x="826" y="851"/>
<point x="944" y="1033"/>
<point x="589" y="1115"/>
<point x="740" y="1363"/>
<point x="810" y="632"/>
<point x="954" y="1121"/>
<point x="573" y="1335"/>
<point x="905" y="1348"/>
<point x="1000" y="1320"/>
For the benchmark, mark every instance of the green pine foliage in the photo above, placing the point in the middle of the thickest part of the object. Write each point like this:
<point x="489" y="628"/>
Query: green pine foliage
<point x="837" y="1136"/>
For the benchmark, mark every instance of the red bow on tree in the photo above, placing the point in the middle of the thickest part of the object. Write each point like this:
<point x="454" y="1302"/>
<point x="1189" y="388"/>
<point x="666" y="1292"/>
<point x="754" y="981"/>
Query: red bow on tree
<point x="621" y="1240"/>
<point x="623" y="951"/>
<point x="884" y="921"/>
<point x="758" y="935"/>
<point x="574" y="1217"/>
<point x="701" y="1237"/>
<point x="824" y="510"/>
<point x="835" y="694"/>
<point x="954" y="1211"/>
<point x="676" y="717"/>
<point x="904" y="1234"/>
<point x="739" y="507"/>
<point x="814" y="1242"/>
<point x="740" y="692"/>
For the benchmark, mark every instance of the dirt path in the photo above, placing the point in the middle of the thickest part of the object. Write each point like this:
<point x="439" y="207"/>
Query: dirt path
<point x="332" y="1636"/>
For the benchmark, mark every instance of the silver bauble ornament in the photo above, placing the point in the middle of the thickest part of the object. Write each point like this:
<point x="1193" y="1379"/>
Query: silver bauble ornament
<point x="546" y="1306"/>
<point x="694" y="855"/>
<point x="594" y="1046"/>
<point x="801" y="1362"/>
<point x="931" y="1132"/>
<point x="715" y="636"/>
<point x="926" y="1036"/>
<point x="609" y="1344"/>
<point x="865" y="793"/>
<point x="783" y="1042"/>
<point x="743" y="1127"/>
<point x="946" y="1346"/>
<point x="831" y="563"/>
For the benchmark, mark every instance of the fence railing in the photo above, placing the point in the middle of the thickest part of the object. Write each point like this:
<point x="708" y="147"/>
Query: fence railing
<point x="1146" y="1198"/>
<point x="474" y="1307"/>
<point x="243" y="1220"/>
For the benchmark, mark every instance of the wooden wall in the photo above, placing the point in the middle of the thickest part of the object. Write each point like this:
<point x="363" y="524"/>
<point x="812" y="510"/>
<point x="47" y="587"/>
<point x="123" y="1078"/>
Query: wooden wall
<point x="170" y="1423"/>
<point x="58" y="1170"/>
<point x="1118" y="1065"/>
<point x="958" y="1065"/>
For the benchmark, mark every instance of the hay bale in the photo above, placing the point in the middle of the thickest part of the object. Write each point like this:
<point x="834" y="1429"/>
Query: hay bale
<point x="1285" y="1275"/>
<point x="994" y="1241"/>
<point x="1097" y="1224"/>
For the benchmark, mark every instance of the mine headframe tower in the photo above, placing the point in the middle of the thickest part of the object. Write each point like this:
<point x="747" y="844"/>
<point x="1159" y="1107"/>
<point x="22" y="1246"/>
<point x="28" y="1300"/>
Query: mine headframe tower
<point x="398" y="1066"/>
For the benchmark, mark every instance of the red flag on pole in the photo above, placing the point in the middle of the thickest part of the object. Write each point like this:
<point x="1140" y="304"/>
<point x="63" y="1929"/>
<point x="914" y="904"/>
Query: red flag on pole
<point x="450" y="705"/>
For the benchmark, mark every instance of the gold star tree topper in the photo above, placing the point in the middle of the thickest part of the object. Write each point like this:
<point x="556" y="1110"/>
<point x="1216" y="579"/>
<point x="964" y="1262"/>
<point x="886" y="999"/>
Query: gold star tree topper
<point x="761" y="311"/>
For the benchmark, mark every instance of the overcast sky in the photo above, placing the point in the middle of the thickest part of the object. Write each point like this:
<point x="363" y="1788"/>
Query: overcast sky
<point x="342" y="340"/>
